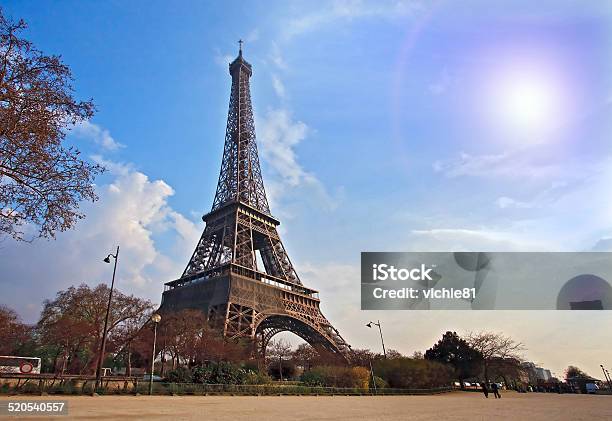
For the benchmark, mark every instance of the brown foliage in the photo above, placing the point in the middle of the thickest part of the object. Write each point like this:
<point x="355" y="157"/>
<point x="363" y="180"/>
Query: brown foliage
<point x="186" y="338"/>
<point x="413" y="374"/>
<point x="337" y="376"/>
<point x="41" y="181"/>
<point x="13" y="333"/>
<point x="74" y="322"/>
<point x="363" y="357"/>
<point x="305" y="356"/>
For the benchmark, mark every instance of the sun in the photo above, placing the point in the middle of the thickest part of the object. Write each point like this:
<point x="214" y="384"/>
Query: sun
<point x="525" y="101"/>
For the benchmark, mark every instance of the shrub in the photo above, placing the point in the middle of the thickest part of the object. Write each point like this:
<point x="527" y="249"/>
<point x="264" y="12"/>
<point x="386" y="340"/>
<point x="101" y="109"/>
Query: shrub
<point x="413" y="373"/>
<point x="179" y="375"/>
<point x="380" y="383"/>
<point x="255" y="377"/>
<point x="288" y="368"/>
<point x="227" y="373"/>
<point x="337" y="376"/>
<point x="313" y="378"/>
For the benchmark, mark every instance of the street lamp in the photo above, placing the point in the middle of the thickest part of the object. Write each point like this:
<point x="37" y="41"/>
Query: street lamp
<point x="155" y="318"/>
<point x="381" y="336"/>
<point x="606" y="375"/>
<point x="110" y="298"/>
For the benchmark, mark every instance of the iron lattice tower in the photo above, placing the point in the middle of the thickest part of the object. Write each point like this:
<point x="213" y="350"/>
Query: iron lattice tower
<point x="240" y="274"/>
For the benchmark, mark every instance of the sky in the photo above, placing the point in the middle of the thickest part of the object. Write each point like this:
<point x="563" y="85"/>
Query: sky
<point x="381" y="126"/>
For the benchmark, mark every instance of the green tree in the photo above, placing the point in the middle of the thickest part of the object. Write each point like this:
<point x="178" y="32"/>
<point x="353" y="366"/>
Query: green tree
<point x="453" y="350"/>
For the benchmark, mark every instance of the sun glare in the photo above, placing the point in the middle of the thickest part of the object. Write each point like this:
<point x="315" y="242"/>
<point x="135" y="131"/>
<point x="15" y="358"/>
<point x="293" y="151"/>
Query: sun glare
<point x="525" y="101"/>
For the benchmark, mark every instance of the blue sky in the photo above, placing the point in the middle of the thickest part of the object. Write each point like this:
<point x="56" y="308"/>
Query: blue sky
<point x="382" y="126"/>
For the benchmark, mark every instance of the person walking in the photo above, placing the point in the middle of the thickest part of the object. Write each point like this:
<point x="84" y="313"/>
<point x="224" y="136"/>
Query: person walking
<point x="485" y="389"/>
<point x="495" y="390"/>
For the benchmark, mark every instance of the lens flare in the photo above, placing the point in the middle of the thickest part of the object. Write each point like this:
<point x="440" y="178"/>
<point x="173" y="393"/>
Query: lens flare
<point x="526" y="101"/>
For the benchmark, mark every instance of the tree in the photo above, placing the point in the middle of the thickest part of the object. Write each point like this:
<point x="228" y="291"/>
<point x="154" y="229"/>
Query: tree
<point x="42" y="181"/>
<point x="186" y="337"/>
<point x="73" y="324"/>
<point x="417" y="355"/>
<point x="393" y="354"/>
<point x="509" y="369"/>
<point x="363" y="357"/>
<point x="305" y="355"/>
<point x="493" y="346"/>
<point x="279" y="349"/>
<point x="14" y="335"/>
<point x="453" y="350"/>
<point x="574" y="372"/>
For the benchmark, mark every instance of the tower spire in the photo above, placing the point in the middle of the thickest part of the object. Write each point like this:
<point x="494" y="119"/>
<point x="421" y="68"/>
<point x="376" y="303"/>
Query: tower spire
<point x="240" y="41"/>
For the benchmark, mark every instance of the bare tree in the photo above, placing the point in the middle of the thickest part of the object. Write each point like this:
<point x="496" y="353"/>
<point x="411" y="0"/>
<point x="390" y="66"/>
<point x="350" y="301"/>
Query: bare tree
<point x="280" y="349"/>
<point x="42" y="181"/>
<point x="363" y="357"/>
<point x="493" y="347"/>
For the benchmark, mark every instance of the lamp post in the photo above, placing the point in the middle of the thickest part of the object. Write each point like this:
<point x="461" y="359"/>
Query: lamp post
<point x="373" y="378"/>
<point x="155" y="318"/>
<point x="606" y="375"/>
<point x="110" y="298"/>
<point x="381" y="336"/>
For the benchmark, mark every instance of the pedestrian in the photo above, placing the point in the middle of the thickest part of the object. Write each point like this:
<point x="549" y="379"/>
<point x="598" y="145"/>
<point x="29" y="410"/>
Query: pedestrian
<point x="495" y="390"/>
<point x="485" y="389"/>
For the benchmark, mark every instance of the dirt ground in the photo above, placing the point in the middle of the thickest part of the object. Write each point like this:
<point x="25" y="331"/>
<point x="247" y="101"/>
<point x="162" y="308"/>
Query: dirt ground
<point x="454" y="406"/>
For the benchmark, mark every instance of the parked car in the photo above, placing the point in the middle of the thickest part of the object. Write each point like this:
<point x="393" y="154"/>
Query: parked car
<point x="147" y="377"/>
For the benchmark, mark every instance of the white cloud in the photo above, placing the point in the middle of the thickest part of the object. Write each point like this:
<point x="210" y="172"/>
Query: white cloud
<point x="253" y="35"/>
<point x="516" y="163"/>
<point x="277" y="58"/>
<point x="115" y="168"/>
<point x="507" y="202"/>
<point x="278" y="137"/>
<point x="473" y="165"/>
<point x="131" y="211"/>
<point x="88" y="130"/>
<point x="223" y="60"/>
<point x="462" y="239"/>
<point x="603" y="244"/>
<point x="278" y="86"/>
<point x="348" y="10"/>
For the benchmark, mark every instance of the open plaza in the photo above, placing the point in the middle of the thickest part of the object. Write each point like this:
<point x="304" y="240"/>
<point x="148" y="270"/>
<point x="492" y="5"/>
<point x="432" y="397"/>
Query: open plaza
<point x="454" y="405"/>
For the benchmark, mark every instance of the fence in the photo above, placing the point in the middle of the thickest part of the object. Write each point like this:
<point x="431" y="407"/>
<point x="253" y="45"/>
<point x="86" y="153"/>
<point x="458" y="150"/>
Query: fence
<point x="77" y="385"/>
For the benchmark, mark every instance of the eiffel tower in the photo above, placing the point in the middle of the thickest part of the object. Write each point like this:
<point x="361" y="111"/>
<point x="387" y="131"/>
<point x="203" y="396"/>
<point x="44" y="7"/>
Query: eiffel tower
<point x="240" y="274"/>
